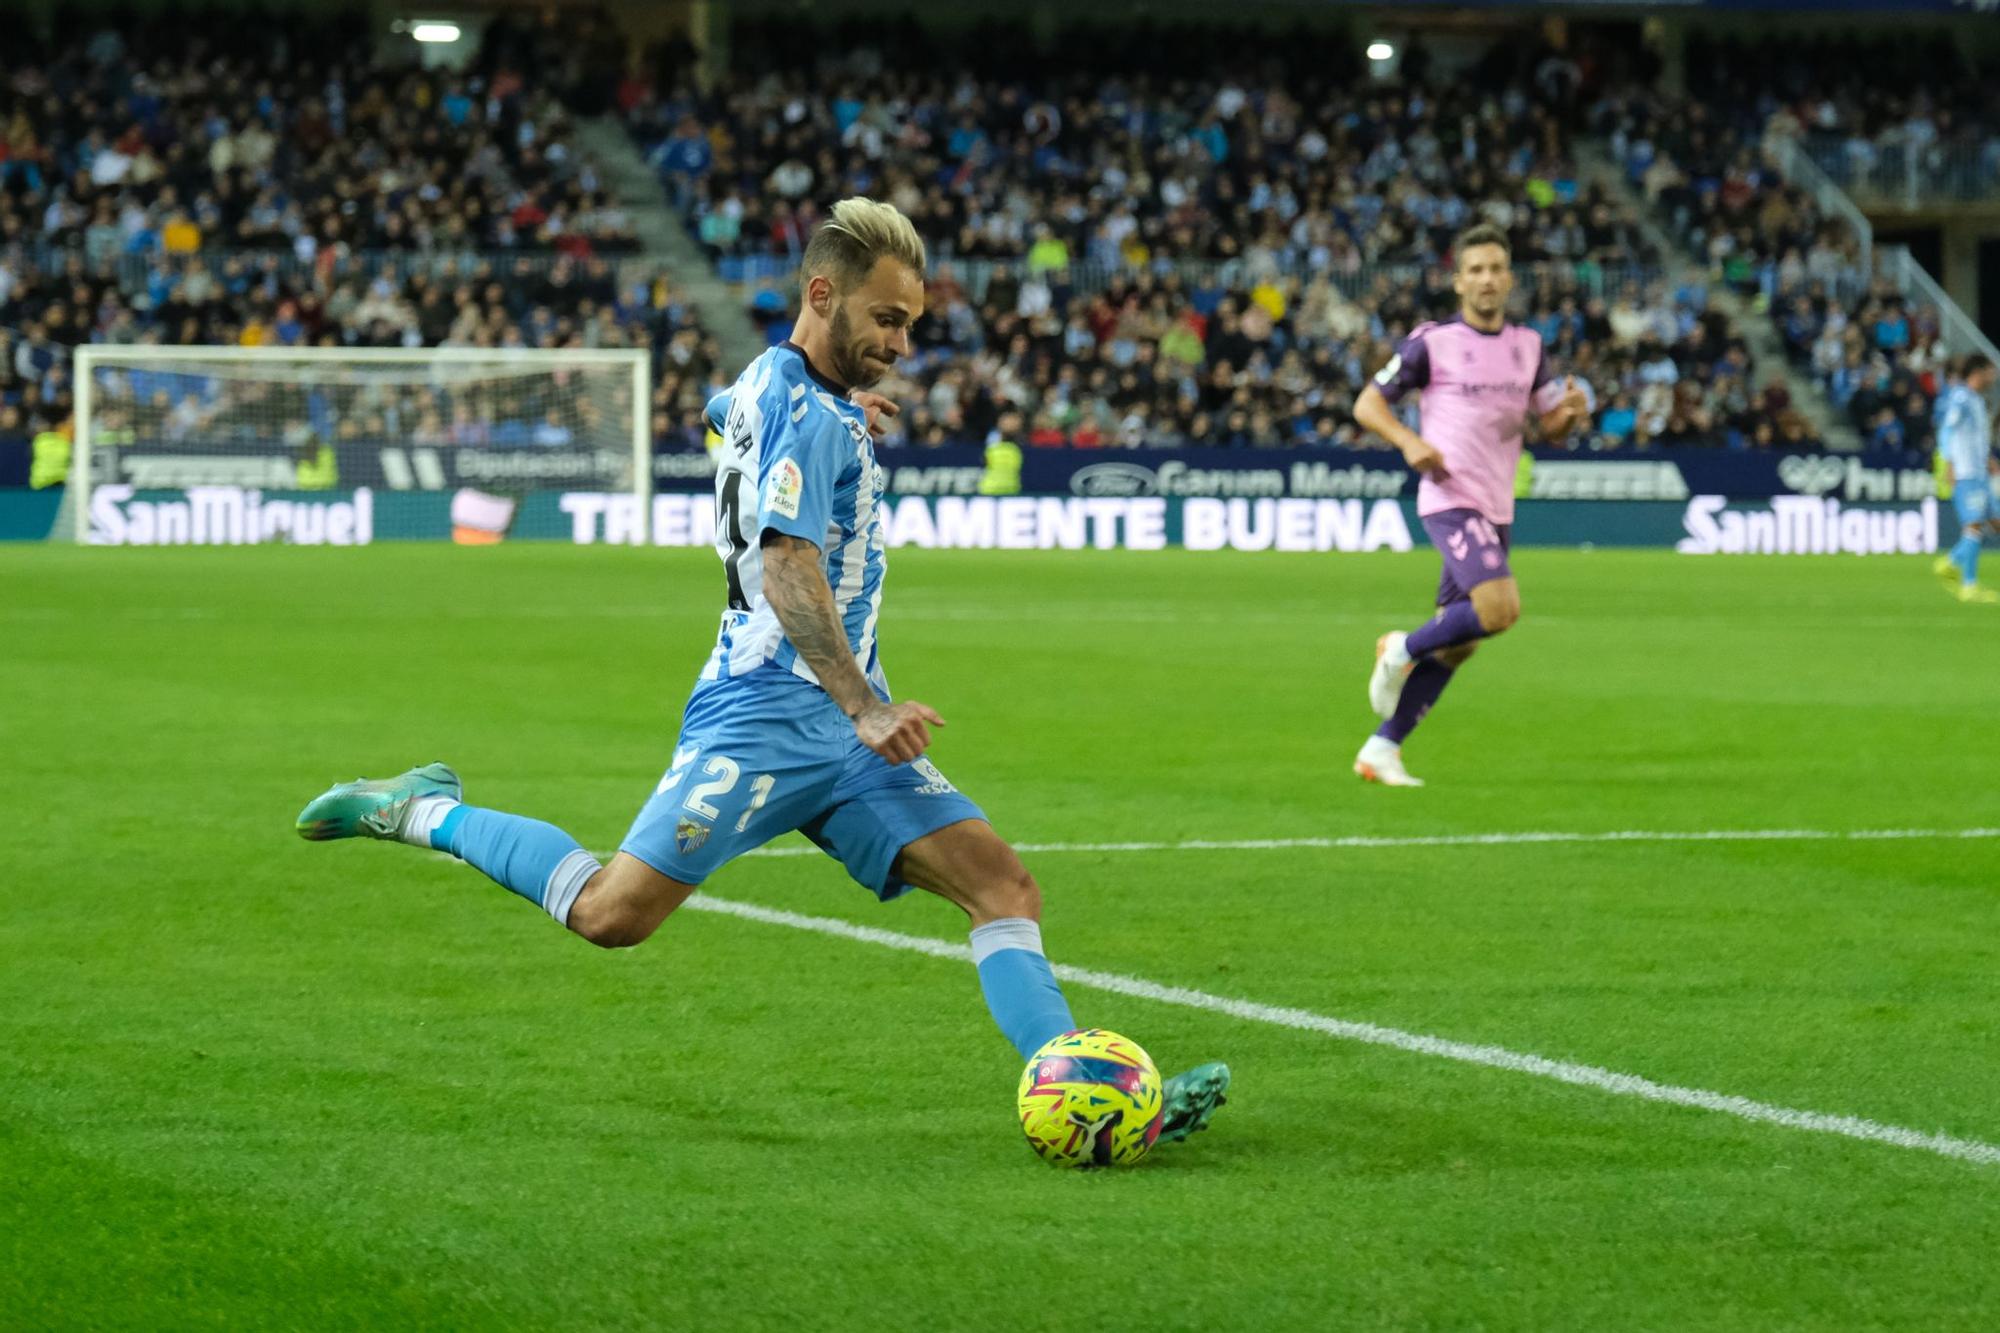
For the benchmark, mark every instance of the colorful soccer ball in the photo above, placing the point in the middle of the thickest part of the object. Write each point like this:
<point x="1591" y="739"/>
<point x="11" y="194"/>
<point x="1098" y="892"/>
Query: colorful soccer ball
<point x="1091" y="1098"/>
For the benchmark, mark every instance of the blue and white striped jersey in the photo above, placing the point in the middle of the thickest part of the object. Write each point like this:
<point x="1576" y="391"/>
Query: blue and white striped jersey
<point x="1964" y="432"/>
<point x="796" y="458"/>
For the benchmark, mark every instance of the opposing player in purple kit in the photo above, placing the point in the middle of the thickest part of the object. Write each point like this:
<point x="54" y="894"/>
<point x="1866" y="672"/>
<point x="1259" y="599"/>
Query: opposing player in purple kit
<point x="1479" y="377"/>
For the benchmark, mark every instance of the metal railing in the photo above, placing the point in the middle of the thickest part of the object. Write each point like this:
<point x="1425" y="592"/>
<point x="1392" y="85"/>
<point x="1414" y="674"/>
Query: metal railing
<point x="136" y="272"/>
<point x="1585" y="278"/>
<point x="133" y="272"/>
<point x="1800" y="169"/>
<point x="1961" y="335"/>
<point x="1588" y="279"/>
<point x="1894" y="264"/>
<point x="1901" y="175"/>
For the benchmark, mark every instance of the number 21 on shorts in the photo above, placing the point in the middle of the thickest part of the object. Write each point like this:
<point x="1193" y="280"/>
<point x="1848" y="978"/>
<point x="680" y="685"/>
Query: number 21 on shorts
<point x="723" y="774"/>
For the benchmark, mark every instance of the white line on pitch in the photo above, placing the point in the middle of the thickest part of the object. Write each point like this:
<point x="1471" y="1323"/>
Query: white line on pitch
<point x="1494" y="1057"/>
<point x="1477" y="840"/>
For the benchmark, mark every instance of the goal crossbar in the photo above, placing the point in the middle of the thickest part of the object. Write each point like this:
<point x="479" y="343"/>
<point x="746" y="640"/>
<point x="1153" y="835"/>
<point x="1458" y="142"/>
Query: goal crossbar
<point x="298" y="364"/>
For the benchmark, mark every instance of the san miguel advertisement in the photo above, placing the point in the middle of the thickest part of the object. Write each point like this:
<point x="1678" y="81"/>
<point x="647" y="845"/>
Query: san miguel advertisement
<point x="228" y="516"/>
<point x="118" y="515"/>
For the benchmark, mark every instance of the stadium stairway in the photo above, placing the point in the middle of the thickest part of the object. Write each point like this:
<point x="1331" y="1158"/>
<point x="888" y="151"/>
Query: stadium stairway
<point x="1759" y="333"/>
<point x="665" y="240"/>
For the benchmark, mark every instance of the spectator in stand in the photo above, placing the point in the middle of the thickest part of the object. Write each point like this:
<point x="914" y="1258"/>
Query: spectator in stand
<point x="1113" y="164"/>
<point x="1845" y="101"/>
<point x="1155" y="360"/>
<point x="218" y="143"/>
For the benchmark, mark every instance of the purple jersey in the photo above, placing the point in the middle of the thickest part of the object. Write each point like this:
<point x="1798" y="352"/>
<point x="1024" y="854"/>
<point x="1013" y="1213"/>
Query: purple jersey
<point x="1477" y="388"/>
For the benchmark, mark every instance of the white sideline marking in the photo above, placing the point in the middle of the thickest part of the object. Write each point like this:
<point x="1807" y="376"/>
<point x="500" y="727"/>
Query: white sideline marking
<point x="1477" y="840"/>
<point x="1494" y="1057"/>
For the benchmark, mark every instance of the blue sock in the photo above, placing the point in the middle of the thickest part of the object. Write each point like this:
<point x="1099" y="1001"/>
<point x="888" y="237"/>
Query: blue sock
<point x="1020" y="989"/>
<point x="1966" y="556"/>
<point x="536" y="860"/>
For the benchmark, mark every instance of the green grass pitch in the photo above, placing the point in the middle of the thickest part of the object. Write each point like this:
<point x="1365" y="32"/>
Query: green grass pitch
<point x="250" y="1082"/>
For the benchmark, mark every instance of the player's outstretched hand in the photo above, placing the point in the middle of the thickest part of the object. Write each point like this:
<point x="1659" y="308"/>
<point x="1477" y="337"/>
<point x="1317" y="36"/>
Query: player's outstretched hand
<point x="1423" y="456"/>
<point x="897" y="732"/>
<point x="880" y="410"/>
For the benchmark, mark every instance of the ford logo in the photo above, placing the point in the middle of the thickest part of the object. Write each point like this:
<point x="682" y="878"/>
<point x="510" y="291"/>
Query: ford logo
<point x="1120" y="479"/>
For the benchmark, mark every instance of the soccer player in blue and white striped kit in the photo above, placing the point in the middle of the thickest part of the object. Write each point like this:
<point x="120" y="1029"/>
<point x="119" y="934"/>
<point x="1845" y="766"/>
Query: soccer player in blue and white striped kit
<point x="1965" y="439"/>
<point x="791" y="724"/>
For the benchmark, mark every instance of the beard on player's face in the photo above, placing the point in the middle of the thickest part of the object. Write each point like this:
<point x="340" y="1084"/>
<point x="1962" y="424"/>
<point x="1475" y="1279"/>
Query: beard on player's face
<point x="852" y="364"/>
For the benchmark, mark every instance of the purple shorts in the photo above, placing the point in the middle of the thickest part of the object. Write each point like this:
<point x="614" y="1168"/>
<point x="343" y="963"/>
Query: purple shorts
<point x="1474" y="550"/>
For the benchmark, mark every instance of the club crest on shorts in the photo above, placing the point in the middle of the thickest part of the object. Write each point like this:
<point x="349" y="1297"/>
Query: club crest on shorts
<point x="689" y="835"/>
<point x="787" y="484"/>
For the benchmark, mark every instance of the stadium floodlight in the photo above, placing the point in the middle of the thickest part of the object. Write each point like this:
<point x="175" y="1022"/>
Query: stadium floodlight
<point x="428" y="31"/>
<point x="217" y="430"/>
<point x="1380" y="50"/>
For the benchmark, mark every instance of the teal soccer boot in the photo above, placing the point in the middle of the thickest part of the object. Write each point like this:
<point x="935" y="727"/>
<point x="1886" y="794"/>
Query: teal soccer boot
<point x="374" y="808"/>
<point x="1191" y="1099"/>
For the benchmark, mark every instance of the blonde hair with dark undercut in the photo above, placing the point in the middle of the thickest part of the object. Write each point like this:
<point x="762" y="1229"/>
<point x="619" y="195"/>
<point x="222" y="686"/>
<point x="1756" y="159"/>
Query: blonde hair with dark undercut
<point x="858" y="234"/>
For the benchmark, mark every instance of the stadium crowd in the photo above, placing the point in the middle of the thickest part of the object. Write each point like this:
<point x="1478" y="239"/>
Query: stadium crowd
<point x="1879" y="358"/>
<point x="1289" y="167"/>
<point x="263" y="300"/>
<point x="299" y="140"/>
<point x="1217" y="253"/>
<point x="1214" y="250"/>
<point x="1706" y="160"/>
<point x="1880" y="115"/>
<point x="1154" y="359"/>
<point x="290" y="189"/>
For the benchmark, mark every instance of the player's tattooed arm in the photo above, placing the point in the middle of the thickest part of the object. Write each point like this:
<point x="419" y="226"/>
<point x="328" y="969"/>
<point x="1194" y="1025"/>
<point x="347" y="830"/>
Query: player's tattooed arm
<point x="801" y="598"/>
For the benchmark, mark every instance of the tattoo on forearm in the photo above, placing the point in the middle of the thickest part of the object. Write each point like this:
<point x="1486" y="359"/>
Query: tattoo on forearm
<point x="800" y="596"/>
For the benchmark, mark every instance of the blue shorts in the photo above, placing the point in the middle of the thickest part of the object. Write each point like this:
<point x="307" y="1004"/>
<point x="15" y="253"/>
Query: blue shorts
<point x="767" y="753"/>
<point x="1973" y="498"/>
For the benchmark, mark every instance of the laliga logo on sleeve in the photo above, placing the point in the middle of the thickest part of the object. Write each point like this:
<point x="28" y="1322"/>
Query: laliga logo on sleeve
<point x="787" y="484"/>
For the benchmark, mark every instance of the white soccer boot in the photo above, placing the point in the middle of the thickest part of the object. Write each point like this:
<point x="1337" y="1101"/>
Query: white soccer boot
<point x="1381" y="760"/>
<point x="1392" y="668"/>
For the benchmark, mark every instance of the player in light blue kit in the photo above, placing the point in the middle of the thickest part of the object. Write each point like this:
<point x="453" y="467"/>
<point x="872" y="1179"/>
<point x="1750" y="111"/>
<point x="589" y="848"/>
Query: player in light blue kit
<point x="1965" y="440"/>
<point x="791" y="725"/>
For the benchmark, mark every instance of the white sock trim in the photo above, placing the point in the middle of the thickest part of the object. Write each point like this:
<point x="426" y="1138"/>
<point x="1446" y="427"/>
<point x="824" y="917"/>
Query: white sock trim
<point x="566" y="881"/>
<point x="421" y="819"/>
<point x="1009" y="932"/>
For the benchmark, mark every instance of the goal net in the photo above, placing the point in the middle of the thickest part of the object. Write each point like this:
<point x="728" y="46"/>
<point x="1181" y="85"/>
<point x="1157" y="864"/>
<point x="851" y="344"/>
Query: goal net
<point x="344" y="446"/>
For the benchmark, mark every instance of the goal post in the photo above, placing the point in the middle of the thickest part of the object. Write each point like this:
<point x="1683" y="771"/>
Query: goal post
<point x="329" y="445"/>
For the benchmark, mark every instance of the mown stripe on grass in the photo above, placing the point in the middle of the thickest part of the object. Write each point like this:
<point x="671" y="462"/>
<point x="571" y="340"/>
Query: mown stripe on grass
<point x="1493" y="1057"/>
